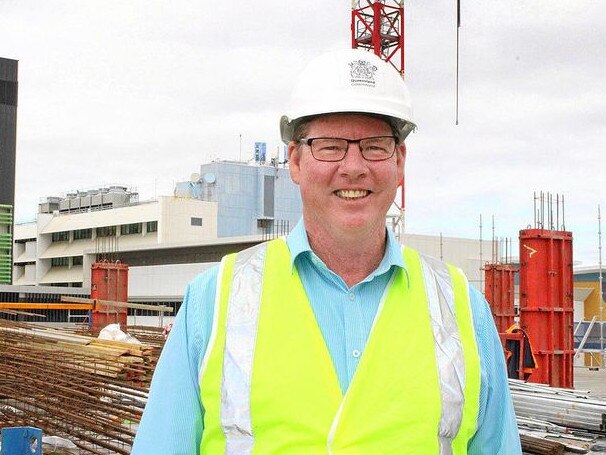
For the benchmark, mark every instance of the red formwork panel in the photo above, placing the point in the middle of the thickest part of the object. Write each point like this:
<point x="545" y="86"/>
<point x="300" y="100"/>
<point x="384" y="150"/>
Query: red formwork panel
<point x="547" y="303"/>
<point x="109" y="281"/>
<point x="499" y="292"/>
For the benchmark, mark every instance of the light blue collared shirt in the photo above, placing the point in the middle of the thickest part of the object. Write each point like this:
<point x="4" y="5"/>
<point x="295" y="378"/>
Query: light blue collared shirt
<point x="173" y="418"/>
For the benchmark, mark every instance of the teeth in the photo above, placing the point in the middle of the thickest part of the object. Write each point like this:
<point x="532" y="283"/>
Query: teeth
<point x="352" y="194"/>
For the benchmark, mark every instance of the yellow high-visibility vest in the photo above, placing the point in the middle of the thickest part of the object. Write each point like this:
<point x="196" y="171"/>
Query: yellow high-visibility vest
<point x="268" y="384"/>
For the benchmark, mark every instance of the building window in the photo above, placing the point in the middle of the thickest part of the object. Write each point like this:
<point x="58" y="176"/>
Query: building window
<point x="196" y="221"/>
<point x="133" y="228"/>
<point x="25" y="240"/>
<point x="80" y="234"/>
<point x="77" y="260"/>
<point x="106" y="231"/>
<point x="152" y="226"/>
<point x="23" y="264"/>
<point x="60" y="236"/>
<point x="59" y="262"/>
<point x="269" y="195"/>
<point x="8" y="93"/>
<point x="264" y="223"/>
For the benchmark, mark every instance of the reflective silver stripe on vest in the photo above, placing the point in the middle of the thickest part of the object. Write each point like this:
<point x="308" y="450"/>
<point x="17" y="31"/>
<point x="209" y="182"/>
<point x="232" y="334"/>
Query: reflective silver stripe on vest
<point x="449" y="349"/>
<point x="241" y="332"/>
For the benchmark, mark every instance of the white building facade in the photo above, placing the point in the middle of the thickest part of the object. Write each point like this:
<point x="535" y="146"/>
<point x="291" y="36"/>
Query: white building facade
<point x="57" y="248"/>
<point x="229" y="200"/>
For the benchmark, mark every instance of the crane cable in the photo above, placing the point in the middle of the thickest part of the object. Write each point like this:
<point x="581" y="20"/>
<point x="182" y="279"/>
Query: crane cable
<point x="457" y="72"/>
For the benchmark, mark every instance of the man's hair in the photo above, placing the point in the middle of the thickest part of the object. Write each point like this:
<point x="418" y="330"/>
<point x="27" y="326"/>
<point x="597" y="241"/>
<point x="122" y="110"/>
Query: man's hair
<point x="302" y="126"/>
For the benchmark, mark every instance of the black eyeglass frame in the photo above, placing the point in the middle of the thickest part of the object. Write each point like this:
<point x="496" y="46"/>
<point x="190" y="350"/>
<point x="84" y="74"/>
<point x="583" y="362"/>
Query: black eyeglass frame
<point x="309" y="140"/>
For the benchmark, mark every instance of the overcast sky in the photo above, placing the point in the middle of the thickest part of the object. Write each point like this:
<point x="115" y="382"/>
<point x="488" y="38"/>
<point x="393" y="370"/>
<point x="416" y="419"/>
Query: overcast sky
<point x="143" y="92"/>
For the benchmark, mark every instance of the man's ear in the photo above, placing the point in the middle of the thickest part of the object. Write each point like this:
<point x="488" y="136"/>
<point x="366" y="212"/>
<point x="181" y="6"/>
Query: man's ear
<point x="294" y="161"/>
<point x="400" y="160"/>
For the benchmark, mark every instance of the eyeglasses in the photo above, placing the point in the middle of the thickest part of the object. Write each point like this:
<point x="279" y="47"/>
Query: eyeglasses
<point x="377" y="148"/>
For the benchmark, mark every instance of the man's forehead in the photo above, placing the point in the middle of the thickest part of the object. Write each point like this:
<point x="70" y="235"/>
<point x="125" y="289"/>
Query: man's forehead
<point x="347" y="118"/>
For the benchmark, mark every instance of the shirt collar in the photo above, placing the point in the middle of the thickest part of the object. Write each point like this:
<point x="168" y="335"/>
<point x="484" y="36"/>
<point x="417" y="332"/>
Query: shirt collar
<point x="298" y="244"/>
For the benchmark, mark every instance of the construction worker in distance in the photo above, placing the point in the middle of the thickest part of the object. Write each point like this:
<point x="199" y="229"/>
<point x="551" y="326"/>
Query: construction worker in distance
<point x="336" y="339"/>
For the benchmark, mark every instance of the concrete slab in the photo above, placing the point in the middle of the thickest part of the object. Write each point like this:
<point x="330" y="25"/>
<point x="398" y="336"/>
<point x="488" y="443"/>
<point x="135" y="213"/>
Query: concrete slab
<point x="593" y="381"/>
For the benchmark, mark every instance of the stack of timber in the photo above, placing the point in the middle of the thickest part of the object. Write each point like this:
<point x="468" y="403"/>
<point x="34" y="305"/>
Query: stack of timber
<point x="539" y="446"/>
<point x="84" y="389"/>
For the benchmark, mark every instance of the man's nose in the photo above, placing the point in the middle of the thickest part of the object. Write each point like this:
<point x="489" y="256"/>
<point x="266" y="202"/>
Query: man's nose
<point x="354" y="162"/>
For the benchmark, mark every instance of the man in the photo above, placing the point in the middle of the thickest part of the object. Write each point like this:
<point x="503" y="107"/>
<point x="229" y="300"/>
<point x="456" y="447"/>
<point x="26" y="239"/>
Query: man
<point x="336" y="340"/>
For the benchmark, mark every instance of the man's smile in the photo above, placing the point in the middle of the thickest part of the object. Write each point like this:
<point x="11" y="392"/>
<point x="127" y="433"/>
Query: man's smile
<point x="352" y="194"/>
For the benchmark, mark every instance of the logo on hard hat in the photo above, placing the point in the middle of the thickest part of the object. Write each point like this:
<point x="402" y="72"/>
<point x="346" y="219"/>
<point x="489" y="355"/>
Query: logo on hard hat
<point x="362" y="73"/>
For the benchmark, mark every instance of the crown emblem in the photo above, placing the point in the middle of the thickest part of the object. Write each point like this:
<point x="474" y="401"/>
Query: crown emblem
<point x="362" y="73"/>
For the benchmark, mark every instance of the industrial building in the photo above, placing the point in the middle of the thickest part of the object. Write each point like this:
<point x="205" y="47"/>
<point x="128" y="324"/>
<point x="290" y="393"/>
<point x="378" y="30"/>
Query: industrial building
<point x="587" y="283"/>
<point x="589" y="334"/>
<point x="8" y="142"/>
<point x="251" y="199"/>
<point x="73" y="231"/>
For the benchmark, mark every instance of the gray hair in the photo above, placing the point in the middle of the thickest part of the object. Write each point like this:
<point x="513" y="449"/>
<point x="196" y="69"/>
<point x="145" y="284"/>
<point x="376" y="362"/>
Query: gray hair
<point x="301" y="128"/>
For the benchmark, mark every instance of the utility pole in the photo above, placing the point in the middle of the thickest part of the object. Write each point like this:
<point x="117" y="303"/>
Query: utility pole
<point x="600" y="286"/>
<point x="481" y="263"/>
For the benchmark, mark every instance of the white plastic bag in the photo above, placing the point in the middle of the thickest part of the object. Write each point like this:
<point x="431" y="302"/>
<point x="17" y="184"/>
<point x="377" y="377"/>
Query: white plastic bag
<point x="113" y="332"/>
<point x="56" y="442"/>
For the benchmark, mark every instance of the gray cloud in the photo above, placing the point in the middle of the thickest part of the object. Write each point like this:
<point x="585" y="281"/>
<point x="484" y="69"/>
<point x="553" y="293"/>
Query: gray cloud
<point x="143" y="92"/>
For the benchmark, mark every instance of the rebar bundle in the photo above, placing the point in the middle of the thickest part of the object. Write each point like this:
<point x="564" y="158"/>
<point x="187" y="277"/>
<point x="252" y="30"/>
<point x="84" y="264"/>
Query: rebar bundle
<point x="87" y="390"/>
<point x="151" y="336"/>
<point x="565" y="407"/>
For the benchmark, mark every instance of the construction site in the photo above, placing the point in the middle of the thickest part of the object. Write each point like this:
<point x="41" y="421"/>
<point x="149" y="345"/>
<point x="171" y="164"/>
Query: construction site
<point x="89" y="292"/>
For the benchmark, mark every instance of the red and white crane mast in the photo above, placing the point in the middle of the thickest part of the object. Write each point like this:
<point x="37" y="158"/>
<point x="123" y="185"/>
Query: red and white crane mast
<point x="378" y="26"/>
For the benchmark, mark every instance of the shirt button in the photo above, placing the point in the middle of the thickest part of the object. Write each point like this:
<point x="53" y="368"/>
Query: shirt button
<point x="356" y="353"/>
<point x="351" y="296"/>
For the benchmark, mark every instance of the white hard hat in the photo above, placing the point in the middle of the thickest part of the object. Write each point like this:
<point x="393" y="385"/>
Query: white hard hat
<point x="349" y="80"/>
